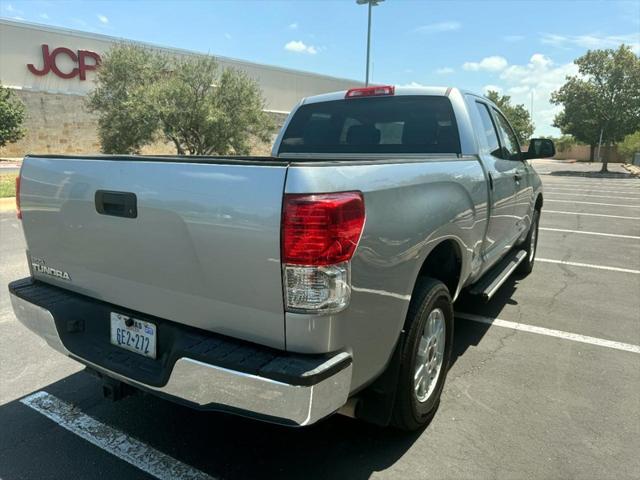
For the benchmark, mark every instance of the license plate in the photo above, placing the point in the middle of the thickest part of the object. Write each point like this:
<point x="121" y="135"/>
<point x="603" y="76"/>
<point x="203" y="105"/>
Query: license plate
<point x="134" y="335"/>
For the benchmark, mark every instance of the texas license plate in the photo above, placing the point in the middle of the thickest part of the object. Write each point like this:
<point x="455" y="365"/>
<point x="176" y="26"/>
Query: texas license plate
<point x="134" y="335"/>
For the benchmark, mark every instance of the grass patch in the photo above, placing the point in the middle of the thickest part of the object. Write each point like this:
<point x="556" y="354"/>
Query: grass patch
<point x="7" y="185"/>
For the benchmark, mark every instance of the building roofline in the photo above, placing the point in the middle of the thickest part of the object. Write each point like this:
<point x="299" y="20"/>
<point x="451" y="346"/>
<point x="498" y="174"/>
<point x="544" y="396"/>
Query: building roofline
<point x="109" y="38"/>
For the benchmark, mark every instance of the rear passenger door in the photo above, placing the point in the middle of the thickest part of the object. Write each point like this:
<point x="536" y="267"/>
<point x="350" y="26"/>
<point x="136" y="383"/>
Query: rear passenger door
<point x="502" y="231"/>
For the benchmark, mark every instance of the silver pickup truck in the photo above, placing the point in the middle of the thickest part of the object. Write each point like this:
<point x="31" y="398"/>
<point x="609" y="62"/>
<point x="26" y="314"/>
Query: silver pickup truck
<point x="286" y="288"/>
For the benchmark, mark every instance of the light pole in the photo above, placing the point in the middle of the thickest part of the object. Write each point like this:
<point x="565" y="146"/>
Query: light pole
<point x="370" y="4"/>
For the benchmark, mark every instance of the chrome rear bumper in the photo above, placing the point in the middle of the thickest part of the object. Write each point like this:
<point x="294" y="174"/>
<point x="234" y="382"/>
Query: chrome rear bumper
<point x="216" y="388"/>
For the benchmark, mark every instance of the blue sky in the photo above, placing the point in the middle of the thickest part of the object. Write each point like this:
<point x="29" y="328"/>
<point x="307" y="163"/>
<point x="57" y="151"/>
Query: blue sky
<point x="515" y="46"/>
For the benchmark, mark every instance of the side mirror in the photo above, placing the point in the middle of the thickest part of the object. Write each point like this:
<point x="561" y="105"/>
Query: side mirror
<point x="540" y="148"/>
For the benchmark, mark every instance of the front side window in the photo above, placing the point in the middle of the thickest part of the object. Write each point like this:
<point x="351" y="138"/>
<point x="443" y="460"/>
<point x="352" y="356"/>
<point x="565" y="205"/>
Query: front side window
<point x="510" y="147"/>
<point x="389" y="124"/>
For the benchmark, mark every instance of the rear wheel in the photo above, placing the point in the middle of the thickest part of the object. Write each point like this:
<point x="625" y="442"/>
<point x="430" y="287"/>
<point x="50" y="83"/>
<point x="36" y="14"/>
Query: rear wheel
<point x="425" y="355"/>
<point x="530" y="245"/>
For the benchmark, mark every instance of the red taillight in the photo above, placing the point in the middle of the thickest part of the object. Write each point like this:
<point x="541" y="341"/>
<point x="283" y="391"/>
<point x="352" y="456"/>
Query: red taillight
<point x="370" y="91"/>
<point x="321" y="229"/>
<point x="18" y="211"/>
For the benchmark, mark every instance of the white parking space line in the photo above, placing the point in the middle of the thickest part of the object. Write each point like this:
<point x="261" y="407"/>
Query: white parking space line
<point x="612" y="197"/>
<point x="113" y="441"/>
<point x="591" y="203"/>
<point x="597" y="181"/>
<point x="602" y="188"/>
<point x="596" y="190"/>
<point x="575" y="337"/>
<point x="584" y="232"/>
<point x="589" y="265"/>
<point x="585" y="179"/>
<point x="622" y="217"/>
<point x="616" y="183"/>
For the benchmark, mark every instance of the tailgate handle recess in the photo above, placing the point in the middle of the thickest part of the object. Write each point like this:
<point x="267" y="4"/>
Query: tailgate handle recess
<point x="116" y="204"/>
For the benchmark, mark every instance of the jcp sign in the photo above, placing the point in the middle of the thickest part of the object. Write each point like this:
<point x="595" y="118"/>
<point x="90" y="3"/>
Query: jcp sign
<point x="75" y="65"/>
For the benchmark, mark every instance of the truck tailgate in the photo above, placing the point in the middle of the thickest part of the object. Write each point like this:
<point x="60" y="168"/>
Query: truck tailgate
<point x="203" y="248"/>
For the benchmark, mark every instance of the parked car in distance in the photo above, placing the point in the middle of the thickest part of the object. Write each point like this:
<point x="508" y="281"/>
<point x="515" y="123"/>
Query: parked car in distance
<point x="285" y="288"/>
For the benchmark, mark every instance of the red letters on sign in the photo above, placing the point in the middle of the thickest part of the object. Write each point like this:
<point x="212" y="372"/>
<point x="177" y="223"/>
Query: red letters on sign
<point x="49" y="62"/>
<point x="54" y="68"/>
<point x="83" y="66"/>
<point x="46" y="67"/>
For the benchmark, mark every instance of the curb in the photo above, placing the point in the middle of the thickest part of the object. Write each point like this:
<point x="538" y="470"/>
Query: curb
<point x="7" y="204"/>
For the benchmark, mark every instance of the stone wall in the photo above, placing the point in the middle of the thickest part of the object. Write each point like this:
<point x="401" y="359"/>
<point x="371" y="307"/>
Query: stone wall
<point x="54" y="124"/>
<point x="60" y="123"/>
<point x="582" y="153"/>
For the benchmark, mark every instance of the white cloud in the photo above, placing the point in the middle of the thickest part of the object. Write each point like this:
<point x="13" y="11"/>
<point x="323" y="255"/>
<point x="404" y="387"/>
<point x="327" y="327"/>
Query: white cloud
<point x="492" y="64"/>
<point x="495" y="88"/>
<point x="293" y="26"/>
<point x="103" y="19"/>
<point x="592" y="41"/>
<point x="439" y="27"/>
<point x="44" y="16"/>
<point x="444" y="70"/>
<point x="299" y="46"/>
<point x="11" y="9"/>
<point x="412" y="84"/>
<point x="539" y="76"/>
<point x="539" y="72"/>
<point x="518" y="90"/>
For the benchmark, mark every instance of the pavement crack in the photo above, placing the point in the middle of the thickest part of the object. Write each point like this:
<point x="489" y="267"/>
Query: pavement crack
<point x="560" y="291"/>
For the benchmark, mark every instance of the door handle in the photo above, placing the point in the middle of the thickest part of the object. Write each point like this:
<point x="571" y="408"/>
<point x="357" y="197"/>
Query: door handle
<point x="116" y="204"/>
<point x="517" y="177"/>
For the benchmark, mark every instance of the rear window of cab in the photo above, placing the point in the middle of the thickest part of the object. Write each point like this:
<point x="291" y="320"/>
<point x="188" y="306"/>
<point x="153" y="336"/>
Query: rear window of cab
<point x="386" y="124"/>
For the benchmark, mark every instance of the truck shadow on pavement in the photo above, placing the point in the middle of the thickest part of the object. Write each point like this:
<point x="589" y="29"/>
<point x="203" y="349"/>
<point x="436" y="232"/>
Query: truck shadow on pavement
<point x="469" y="333"/>
<point x="220" y="445"/>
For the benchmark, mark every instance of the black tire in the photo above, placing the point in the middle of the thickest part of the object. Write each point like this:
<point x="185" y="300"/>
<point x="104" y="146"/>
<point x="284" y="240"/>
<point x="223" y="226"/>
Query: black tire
<point x="409" y="413"/>
<point x="526" y="266"/>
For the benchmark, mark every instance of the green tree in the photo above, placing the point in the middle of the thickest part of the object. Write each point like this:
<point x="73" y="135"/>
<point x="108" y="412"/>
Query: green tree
<point x="564" y="143"/>
<point x="11" y="117"/>
<point x="629" y="146"/>
<point x="128" y="118"/>
<point x="143" y="95"/>
<point x="204" y="111"/>
<point x="604" y="100"/>
<point x="517" y="115"/>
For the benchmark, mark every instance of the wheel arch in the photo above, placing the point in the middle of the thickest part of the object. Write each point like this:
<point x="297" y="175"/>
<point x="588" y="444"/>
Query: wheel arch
<point x="445" y="263"/>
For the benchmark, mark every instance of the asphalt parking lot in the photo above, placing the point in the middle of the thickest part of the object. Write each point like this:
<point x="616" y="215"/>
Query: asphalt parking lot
<point x="545" y="381"/>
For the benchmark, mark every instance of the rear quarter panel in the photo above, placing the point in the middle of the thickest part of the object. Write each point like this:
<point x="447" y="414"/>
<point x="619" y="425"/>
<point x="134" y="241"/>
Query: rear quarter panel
<point x="411" y="207"/>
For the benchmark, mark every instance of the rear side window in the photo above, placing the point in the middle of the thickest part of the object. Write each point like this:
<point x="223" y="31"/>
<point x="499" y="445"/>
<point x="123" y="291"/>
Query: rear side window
<point x="392" y="124"/>
<point x="489" y="130"/>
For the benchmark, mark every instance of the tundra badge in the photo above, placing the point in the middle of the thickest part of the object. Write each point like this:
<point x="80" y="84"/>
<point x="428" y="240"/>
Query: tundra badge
<point x="39" y="266"/>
